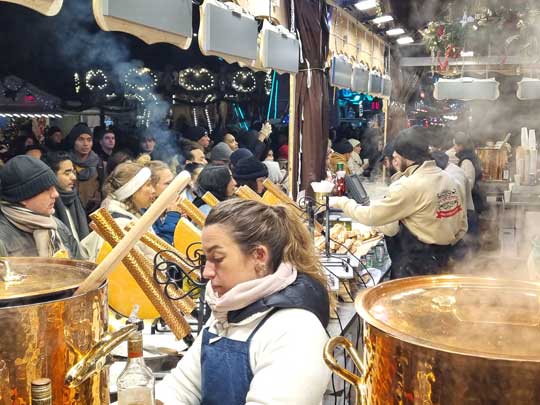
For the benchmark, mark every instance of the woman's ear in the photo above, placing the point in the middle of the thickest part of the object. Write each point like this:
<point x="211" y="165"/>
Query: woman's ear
<point x="261" y="256"/>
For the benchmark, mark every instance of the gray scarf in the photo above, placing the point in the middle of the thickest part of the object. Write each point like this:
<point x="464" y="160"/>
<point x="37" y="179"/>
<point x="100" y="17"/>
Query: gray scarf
<point x="43" y="228"/>
<point x="86" y="169"/>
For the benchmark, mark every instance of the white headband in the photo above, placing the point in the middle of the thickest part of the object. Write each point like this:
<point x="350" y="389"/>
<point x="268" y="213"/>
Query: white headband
<point x="131" y="187"/>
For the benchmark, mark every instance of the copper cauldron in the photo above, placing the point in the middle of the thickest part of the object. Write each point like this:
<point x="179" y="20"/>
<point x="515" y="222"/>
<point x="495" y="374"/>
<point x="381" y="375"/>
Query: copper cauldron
<point x="44" y="330"/>
<point x="446" y="340"/>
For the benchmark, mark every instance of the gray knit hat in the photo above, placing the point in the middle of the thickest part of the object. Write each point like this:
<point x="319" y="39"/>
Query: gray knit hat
<point x="24" y="177"/>
<point x="221" y="152"/>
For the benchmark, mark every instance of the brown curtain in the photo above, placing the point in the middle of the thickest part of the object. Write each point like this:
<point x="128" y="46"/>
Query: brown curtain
<point x="311" y="104"/>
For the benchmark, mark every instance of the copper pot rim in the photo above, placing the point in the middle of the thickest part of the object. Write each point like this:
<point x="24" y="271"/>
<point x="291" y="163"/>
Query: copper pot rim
<point x="364" y="298"/>
<point x="80" y="264"/>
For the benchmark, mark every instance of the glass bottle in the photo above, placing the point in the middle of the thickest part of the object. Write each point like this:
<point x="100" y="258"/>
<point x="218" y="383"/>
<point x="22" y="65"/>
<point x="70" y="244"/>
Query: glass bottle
<point x="340" y="180"/>
<point x="136" y="383"/>
<point x="41" y="392"/>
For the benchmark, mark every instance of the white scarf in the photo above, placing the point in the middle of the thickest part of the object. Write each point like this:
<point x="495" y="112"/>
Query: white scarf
<point x="246" y="293"/>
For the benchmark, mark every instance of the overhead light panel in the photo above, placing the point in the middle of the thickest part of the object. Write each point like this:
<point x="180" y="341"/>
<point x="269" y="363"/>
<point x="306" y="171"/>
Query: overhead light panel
<point x="394" y="32"/>
<point x="405" y="40"/>
<point x="366" y="5"/>
<point x="382" y="19"/>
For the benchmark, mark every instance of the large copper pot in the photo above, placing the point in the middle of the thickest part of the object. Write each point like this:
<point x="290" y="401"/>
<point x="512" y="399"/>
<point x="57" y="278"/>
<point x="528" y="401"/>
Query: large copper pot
<point x="446" y="340"/>
<point x="44" y="330"/>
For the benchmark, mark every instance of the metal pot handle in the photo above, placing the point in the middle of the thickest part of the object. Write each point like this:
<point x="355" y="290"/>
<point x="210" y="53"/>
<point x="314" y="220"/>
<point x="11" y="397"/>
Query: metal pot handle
<point x="96" y="359"/>
<point x="356" y="381"/>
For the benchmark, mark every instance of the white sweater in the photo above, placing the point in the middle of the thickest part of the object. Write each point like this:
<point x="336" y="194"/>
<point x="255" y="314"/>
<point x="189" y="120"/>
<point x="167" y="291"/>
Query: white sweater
<point x="286" y="357"/>
<point x="93" y="242"/>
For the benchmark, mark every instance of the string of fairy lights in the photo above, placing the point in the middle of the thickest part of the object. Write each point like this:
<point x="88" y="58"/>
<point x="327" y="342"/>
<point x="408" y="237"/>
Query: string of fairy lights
<point x="142" y="80"/>
<point x="268" y="83"/>
<point x="244" y="81"/>
<point x="201" y="87"/>
<point x="96" y="80"/>
<point x="193" y="79"/>
<point x="77" y="80"/>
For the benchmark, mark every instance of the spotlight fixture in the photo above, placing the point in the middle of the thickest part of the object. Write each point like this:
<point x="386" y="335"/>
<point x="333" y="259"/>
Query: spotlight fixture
<point x="382" y="19"/>
<point x="394" y="32"/>
<point x="405" y="40"/>
<point x="366" y="5"/>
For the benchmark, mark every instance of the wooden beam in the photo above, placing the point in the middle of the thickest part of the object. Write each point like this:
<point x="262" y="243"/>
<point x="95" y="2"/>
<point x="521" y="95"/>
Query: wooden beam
<point x="292" y="180"/>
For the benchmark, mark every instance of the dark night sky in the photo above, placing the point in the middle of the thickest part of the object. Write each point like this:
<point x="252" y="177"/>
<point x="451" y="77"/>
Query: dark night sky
<point x="46" y="51"/>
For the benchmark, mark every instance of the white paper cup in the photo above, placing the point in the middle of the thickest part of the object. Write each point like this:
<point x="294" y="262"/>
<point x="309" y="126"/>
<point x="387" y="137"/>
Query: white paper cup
<point x="507" y="196"/>
<point x="511" y="186"/>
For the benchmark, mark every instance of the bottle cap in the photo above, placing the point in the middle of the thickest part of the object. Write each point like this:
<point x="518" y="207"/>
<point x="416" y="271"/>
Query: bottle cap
<point x="41" y="389"/>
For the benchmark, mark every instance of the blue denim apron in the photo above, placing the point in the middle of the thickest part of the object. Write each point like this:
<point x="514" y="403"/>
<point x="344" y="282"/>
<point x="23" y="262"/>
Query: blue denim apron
<point x="225" y="368"/>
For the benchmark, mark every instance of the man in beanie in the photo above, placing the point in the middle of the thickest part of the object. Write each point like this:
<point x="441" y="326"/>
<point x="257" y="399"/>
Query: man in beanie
<point x="237" y="156"/>
<point x="27" y="225"/>
<point x="198" y="135"/>
<point x="88" y="165"/>
<point x="424" y="213"/>
<point x="342" y="154"/>
<point x="220" y="154"/>
<point x="252" y="173"/>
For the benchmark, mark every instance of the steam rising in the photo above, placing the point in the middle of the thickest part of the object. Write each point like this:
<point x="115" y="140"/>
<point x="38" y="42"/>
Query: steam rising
<point x="84" y="46"/>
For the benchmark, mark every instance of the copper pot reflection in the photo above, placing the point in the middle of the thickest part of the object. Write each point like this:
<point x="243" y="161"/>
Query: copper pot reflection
<point x="44" y="331"/>
<point x="446" y="340"/>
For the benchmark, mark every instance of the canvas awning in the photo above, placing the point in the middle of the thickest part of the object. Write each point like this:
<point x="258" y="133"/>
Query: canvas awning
<point x="46" y="7"/>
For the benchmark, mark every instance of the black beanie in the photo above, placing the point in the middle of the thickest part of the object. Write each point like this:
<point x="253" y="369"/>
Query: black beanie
<point x="75" y="132"/>
<point x="343" y="147"/>
<point x="412" y="144"/>
<point x="250" y="169"/>
<point x="24" y="177"/>
<point x="388" y="151"/>
<point x="238" y="155"/>
<point x="441" y="159"/>
<point x="195" y="133"/>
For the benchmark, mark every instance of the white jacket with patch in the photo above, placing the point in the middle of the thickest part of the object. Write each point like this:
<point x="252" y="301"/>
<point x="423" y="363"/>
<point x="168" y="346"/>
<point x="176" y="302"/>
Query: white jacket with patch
<point x="426" y="200"/>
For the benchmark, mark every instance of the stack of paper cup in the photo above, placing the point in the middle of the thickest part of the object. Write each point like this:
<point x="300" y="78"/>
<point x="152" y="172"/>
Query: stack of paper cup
<point x="524" y="138"/>
<point x="532" y="139"/>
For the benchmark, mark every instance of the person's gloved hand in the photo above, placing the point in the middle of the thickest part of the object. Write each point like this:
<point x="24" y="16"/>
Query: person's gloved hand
<point x="265" y="131"/>
<point x="337" y="202"/>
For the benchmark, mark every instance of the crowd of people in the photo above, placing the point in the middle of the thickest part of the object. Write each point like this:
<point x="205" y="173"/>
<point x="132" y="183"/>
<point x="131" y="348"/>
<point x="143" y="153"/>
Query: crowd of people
<point x="66" y="178"/>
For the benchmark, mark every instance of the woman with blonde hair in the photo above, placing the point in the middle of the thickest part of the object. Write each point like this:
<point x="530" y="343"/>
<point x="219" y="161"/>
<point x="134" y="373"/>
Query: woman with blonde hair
<point x="270" y="306"/>
<point x="128" y="191"/>
<point x="165" y="225"/>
